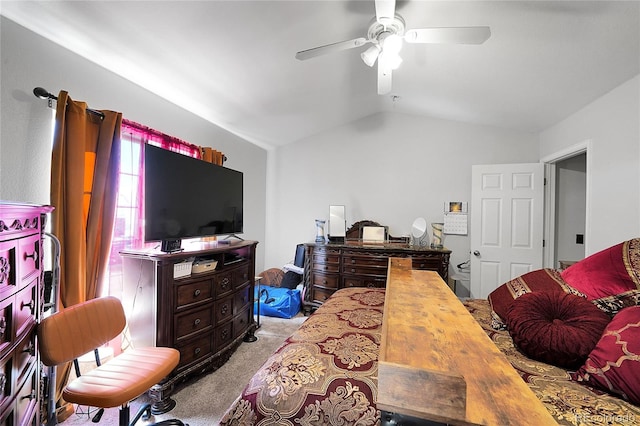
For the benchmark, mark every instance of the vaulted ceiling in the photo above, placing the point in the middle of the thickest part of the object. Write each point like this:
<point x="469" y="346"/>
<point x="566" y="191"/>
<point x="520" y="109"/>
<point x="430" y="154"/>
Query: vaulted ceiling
<point x="233" y="62"/>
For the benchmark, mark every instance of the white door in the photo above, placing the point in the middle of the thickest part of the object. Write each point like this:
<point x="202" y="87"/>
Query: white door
<point x="506" y="223"/>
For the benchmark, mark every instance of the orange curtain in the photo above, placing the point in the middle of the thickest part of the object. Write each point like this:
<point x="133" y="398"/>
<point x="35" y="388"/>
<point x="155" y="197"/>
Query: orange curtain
<point x="84" y="177"/>
<point x="212" y="156"/>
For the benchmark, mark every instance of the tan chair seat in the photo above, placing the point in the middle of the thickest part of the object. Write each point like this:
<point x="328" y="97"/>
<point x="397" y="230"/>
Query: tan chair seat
<point x="123" y="378"/>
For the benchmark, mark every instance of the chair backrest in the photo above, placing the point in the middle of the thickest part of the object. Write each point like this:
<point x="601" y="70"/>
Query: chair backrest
<point x="79" y="329"/>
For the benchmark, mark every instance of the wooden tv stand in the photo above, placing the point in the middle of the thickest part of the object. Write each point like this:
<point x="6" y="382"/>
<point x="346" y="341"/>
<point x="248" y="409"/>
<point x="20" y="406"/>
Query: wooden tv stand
<point x="437" y="364"/>
<point x="205" y="316"/>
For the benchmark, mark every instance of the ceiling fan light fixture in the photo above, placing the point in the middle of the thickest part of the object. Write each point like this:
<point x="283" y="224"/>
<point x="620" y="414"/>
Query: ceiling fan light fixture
<point x="392" y="44"/>
<point x="391" y="60"/>
<point x="370" y="55"/>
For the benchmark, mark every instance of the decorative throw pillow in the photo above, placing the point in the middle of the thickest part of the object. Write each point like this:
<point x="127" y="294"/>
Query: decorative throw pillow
<point x="290" y="280"/>
<point x="608" y="272"/>
<point x="272" y="277"/>
<point x="614" y="304"/>
<point x="614" y="364"/>
<point x="555" y="327"/>
<point x="546" y="280"/>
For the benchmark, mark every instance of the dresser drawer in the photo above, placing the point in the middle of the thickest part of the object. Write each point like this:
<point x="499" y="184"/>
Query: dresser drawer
<point x="25" y="355"/>
<point x="376" y="271"/>
<point x="241" y="299"/>
<point x="431" y="263"/>
<point x="25" y="308"/>
<point x="6" y="380"/>
<point x="326" y="267"/>
<point x="241" y="322"/>
<point x="326" y="258"/>
<point x="8" y="267"/>
<point x="193" y="293"/>
<point x="379" y="261"/>
<point x="223" y="335"/>
<point x="364" y="282"/>
<point x="6" y="324"/>
<point x="320" y="294"/>
<point x="327" y="281"/>
<point x="223" y="309"/>
<point x="195" y="350"/>
<point x="29" y="257"/>
<point x="223" y="283"/>
<point x="187" y="324"/>
<point x="326" y="251"/>
<point x="240" y="275"/>
<point x="26" y="398"/>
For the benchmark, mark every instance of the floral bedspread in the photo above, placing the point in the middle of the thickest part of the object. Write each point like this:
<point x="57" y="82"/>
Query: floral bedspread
<point x="325" y="373"/>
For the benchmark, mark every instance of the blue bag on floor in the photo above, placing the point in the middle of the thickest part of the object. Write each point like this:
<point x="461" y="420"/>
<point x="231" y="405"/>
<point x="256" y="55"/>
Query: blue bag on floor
<point x="277" y="301"/>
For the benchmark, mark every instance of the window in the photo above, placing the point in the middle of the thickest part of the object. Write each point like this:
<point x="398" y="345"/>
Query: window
<point x="128" y="229"/>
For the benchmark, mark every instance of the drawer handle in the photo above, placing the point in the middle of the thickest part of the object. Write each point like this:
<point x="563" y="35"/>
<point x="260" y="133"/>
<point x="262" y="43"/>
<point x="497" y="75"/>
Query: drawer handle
<point x="224" y="283"/>
<point x="35" y="255"/>
<point x="324" y="282"/>
<point x="196" y="322"/>
<point x="225" y="334"/>
<point x="32" y="395"/>
<point x="224" y="309"/>
<point x="353" y="269"/>
<point x="196" y="293"/>
<point x="196" y="351"/>
<point x="31" y="305"/>
<point x="31" y="349"/>
<point x="3" y="327"/>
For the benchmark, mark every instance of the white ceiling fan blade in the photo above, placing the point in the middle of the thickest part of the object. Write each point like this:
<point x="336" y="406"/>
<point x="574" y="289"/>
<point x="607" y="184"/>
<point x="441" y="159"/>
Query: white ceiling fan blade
<point x="455" y="35"/>
<point x="384" y="78"/>
<point x="329" y="48"/>
<point x="385" y="11"/>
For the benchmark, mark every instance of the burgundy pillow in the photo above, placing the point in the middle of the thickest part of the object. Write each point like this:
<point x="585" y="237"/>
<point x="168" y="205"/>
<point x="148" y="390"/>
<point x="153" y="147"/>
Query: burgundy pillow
<point x="539" y="280"/>
<point x="556" y="328"/>
<point x="614" y="364"/>
<point x="608" y="272"/>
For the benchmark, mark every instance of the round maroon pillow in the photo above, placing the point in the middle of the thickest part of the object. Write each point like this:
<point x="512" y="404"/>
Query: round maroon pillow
<point x="556" y="328"/>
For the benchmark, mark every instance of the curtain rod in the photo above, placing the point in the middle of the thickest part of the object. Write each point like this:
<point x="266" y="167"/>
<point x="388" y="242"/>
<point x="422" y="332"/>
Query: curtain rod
<point x="41" y="93"/>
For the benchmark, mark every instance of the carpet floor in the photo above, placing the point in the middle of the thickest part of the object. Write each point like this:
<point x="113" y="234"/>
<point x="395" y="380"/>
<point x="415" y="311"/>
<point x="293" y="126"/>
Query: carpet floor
<point x="203" y="401"/>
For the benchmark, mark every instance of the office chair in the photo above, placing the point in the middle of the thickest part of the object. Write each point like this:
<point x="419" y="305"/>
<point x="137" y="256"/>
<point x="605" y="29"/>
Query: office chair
<point x="81" y="328"/>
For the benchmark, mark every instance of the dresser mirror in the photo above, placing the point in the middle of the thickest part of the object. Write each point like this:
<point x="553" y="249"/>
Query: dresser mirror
<point x="419" y="235"/>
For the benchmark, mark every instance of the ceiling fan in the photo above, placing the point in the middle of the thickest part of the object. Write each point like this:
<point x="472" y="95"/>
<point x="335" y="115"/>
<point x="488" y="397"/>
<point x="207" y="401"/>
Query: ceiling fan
<point x="386" y="35"/>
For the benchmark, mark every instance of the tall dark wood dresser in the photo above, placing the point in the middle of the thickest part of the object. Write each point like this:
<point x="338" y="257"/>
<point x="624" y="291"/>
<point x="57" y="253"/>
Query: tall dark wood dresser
<point x="21" y="301"/>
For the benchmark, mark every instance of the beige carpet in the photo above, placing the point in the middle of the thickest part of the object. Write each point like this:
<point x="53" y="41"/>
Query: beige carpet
<point x="202" y="402"/>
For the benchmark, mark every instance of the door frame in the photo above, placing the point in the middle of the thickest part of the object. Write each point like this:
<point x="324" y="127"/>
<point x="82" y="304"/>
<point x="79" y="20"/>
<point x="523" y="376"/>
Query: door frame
<point x="549" y="223"/>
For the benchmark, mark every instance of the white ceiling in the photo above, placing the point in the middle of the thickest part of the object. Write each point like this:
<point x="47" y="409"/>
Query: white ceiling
<point x="233" y="62"/>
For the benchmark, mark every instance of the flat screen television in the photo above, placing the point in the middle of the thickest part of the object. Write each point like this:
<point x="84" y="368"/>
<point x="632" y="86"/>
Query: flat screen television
<point x="185" y="197"/>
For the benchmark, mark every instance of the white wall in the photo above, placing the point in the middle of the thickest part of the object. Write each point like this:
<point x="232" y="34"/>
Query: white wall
<point x="390" y="168"/>
<point x="29" y="60"/>
<point x="612" y="124"/>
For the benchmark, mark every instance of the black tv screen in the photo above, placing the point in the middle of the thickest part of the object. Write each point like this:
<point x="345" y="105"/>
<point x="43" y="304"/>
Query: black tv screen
<point x="186" y="197"/>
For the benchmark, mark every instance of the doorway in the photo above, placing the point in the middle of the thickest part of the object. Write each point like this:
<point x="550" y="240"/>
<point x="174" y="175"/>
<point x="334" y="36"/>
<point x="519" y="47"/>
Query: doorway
<point x="566" y="199"/>
<point x="570" y="211"/>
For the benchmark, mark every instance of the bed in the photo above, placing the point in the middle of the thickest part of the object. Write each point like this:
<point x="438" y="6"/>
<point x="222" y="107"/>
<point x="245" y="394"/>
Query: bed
<point x="326" y="372"/>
